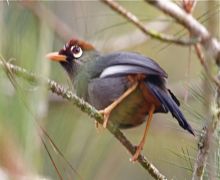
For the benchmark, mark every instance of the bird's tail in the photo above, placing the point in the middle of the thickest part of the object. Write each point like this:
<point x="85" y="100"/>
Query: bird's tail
<point x="170" y="104"/>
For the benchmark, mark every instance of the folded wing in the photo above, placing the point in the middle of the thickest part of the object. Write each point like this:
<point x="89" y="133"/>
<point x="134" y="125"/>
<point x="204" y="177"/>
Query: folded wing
<point x="125" y="63"/>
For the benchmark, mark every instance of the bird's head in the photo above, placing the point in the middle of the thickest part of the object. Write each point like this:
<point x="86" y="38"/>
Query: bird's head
<point x="74" y="53"/>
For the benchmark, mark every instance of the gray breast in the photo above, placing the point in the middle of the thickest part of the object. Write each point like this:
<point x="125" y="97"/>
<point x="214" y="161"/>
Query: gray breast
<point x="103" y="91"/>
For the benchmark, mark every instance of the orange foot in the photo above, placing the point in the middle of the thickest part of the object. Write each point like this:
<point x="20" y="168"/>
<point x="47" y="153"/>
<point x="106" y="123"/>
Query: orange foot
<point x="137" y="153"/>
<point x="106" y="113"/>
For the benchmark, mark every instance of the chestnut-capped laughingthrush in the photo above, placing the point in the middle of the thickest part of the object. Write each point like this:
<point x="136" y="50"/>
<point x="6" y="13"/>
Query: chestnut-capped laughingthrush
<point x="126" y="87"/>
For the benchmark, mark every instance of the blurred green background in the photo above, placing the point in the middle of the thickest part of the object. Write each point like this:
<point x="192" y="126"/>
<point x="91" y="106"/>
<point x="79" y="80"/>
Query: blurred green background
<point x="29" y="30"/>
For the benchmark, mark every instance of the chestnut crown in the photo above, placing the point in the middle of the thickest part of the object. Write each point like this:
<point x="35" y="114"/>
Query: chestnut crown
<point x="74" y="49"/>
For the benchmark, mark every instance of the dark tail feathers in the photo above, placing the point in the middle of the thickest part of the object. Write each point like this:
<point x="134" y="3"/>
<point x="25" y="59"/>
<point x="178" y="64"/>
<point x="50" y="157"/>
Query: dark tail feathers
<point x="170" y="104"/>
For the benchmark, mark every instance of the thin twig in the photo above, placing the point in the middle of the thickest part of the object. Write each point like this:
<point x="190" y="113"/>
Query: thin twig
<point x="130" y="39"/>
<point x="60" y="152"/>
<point x="205" y="66"/>
<point x="154" y="34"/>
<point x="51" y="159"/>
<point x="86" y="108"/>
<point x="209" y="43"/>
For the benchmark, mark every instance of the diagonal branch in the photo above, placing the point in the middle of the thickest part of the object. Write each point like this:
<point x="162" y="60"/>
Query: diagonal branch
<point x="209" y="43"/>
<point x="154" y="34"/>
<point x="86" y="108"/>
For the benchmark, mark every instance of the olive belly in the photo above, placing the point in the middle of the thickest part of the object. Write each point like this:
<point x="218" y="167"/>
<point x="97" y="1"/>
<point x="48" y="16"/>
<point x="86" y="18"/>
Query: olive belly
<point x="132" y="111"/>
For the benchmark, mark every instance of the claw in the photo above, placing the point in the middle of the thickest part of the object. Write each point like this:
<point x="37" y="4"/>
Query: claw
<point x="137" y="153"/>
<point x="106" y="114"/>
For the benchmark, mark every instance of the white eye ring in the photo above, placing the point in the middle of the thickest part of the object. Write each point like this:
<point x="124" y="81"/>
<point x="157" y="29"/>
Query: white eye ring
<point x="77" y="51"/>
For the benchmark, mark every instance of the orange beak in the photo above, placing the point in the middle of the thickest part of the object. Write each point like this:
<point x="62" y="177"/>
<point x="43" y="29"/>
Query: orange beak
<point x="54" y="56"/>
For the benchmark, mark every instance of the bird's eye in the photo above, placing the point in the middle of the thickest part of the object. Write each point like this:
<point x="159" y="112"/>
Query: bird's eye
<point x="77" y="51"/>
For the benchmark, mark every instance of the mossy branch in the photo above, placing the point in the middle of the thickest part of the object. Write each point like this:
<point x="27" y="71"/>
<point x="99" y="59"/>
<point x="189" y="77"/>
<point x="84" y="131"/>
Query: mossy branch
<point x="86" y="108"/>
<point x="152" y="33"/>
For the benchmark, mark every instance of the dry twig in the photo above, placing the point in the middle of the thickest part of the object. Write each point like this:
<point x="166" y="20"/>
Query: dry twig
<point x="209" y="43"/>
<point x="154" y="34"/>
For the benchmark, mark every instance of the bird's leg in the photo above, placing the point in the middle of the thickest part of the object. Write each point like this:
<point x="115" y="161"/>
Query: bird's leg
<point x="141" y="145"/>
<point x="106" y="112"/>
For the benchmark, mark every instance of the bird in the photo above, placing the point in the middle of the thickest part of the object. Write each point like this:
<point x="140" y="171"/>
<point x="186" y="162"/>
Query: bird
<point x="126" y="87"/>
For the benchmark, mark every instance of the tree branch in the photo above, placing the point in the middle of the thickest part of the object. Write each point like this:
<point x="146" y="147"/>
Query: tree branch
<point x="154" y="34"/>
<point x="86" y="108"/>
<point x="209" y="43"/>
<point x="134" y="38"/>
